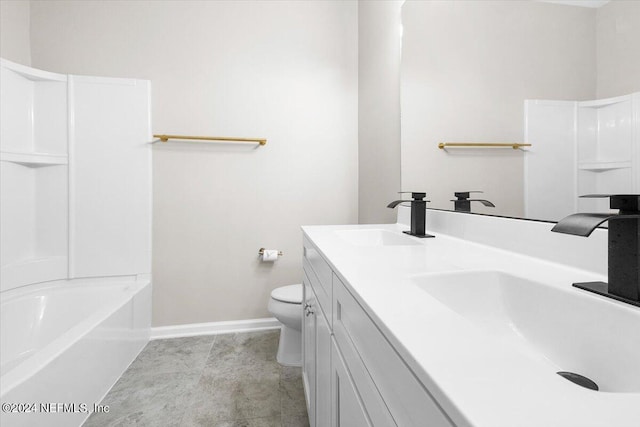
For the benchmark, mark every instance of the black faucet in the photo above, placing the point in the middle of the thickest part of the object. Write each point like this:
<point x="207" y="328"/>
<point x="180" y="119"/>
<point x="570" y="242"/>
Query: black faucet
<point x="463" y="202"/>
<point x="624" y="235"/>
<point x="418" y="213"/>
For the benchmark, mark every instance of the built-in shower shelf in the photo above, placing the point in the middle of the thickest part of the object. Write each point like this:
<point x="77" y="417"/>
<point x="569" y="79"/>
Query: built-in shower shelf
<point x="34" y="159"/>
<point x="600" y="166"/>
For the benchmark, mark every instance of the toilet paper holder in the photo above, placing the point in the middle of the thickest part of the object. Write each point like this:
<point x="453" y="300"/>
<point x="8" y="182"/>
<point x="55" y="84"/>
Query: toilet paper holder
<point x="261" y="251"/>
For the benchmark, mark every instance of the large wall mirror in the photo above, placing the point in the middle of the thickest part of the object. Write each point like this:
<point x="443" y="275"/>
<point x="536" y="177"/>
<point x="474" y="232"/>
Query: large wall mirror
<point x="564" y="78"/>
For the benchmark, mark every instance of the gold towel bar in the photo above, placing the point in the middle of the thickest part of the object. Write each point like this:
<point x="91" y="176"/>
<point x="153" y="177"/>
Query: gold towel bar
<point x="514" y="145"/>
<point x="165" y="138"/>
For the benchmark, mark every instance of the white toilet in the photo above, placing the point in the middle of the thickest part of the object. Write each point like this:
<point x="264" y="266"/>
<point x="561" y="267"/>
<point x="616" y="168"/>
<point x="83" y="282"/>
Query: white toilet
<point x="286" y="306"/>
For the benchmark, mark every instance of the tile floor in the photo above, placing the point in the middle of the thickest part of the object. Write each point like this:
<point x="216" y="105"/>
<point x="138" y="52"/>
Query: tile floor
<point x="217" y="381"/>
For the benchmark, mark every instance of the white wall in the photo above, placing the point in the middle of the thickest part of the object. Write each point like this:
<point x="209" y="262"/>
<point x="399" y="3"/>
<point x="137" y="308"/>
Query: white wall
<point x="286" y="71"/>
<point x="379" y="50"/>
<point x="14" y="31"/>
<point x="466" y="69"/>
<point x="618" y="48"/>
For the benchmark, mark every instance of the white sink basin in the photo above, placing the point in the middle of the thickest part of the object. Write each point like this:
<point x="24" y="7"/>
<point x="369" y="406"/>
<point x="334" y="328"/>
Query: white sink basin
<point x="375" y="237"/>
<point x="564" y="327"/>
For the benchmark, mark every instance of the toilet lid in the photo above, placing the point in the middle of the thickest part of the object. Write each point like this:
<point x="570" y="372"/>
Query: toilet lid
<point x="291" y="294"/>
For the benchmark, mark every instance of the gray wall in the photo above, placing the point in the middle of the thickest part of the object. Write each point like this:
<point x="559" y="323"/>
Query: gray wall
<point x="379" y="49"/>
<point x="286" y="71"/>
<point x="14" y="31"/>
<point x="618" y="48"/>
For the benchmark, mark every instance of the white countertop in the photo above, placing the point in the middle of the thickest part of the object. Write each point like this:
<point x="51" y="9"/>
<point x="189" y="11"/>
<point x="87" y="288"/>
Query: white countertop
<point x="477" y="379"/>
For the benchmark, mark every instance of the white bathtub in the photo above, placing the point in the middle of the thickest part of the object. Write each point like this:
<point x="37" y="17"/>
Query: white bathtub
<point x="67" y="342"/>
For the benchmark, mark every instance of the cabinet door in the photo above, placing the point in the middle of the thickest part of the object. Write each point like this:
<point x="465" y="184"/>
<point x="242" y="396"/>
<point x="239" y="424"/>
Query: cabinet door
<point x="309" y="350"/>
<point x="323" y="370"/>
<point x="347" y="409"/>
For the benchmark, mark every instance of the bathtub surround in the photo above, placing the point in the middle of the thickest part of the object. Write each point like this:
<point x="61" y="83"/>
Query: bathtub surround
<point x="76" y="176"/>
<point x="590" y="146"/>
<point x="75" y="238"/>
<point x="222" y="380"/>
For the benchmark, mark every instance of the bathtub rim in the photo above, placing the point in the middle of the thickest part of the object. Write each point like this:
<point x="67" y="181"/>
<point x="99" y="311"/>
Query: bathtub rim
<point x="40" y="359"/>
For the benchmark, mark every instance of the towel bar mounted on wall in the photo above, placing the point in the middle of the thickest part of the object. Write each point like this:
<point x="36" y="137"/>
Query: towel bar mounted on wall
<point x="514" y="145"/>
<point x="165" y="138"/>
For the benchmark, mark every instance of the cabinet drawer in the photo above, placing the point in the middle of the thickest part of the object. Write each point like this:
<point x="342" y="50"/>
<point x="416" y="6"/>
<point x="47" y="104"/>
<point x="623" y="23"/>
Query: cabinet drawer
<point x="319" y="274"/>
<point x="319" y="265"/>
<point x="407" y="400"/>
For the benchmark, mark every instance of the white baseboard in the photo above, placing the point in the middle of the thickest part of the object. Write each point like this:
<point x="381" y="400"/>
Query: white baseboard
<point x="213" y="328"/>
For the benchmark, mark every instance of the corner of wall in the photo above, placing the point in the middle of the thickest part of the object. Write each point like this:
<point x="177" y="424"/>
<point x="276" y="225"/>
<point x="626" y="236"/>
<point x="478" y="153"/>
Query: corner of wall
<point x="379" y="49"/>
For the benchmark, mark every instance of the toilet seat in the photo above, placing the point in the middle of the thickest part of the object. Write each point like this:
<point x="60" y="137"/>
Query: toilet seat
<point x="291" y="294"/>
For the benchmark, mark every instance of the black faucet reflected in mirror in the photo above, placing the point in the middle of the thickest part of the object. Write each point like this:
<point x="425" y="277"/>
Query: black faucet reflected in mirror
<point x="418" y="213"/>
<point x="624" y="237"/>
<point x="463" y="202"/>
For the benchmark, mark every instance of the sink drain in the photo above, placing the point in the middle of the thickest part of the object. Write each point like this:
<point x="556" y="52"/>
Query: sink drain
<point x="579" y="379"/>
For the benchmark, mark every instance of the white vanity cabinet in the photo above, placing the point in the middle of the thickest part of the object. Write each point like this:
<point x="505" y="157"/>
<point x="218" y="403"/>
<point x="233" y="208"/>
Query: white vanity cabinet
<point x="316" y="353"/>
<point x="352" y="374"/>
<point x="338" y="390"/>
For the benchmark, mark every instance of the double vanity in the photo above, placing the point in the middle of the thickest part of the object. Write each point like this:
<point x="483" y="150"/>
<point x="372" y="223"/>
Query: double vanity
<point x="470" y="328"/>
